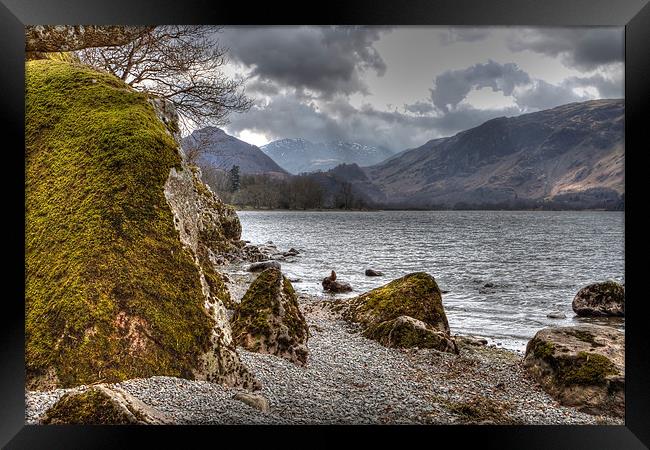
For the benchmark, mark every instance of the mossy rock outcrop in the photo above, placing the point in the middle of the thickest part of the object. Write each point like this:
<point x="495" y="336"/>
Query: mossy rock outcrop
<point x="112" y="289"/>
<point x="406" y="312"/>
<point x="581" y="366"/>
<point x="103" y="405"/>
<point x="600" y="299"/>
<point x="268" y="319"/>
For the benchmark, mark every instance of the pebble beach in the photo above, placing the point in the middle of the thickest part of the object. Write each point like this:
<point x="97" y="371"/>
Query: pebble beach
<point x="353" y="380"/>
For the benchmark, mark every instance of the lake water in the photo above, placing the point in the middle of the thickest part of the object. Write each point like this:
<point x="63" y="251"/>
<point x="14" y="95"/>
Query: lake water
<point x="537" y="261"/>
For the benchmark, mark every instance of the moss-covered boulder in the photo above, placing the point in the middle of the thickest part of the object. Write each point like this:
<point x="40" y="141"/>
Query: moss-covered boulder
<point x="414" y="296"/>
<point x="103" y="405"/>
<point x="268" y="319"/>
<point x="112" y="291"/>
<point x="406" y="332"/>
<point x="600" y="299"/>
<point x="581" y="366"/>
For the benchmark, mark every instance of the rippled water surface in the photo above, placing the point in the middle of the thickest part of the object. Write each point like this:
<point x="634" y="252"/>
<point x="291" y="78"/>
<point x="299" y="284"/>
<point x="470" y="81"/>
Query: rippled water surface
<point x="536" y="261"/>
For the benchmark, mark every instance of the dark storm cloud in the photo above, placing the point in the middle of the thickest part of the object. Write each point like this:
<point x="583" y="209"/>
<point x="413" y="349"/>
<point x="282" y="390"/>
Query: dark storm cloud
<point x="257" y="86"/>
<point x="543" y="95"/>
<point x="302" y="80"/>
<point x="580" y="48"/>
<point x="452" y="86"/>
<point x="419" y="107"/>
<point x="327" y="60"/>
<point x="607" y="87"/>
<point x="288" y="116"/>
<point x="463" y="34"/>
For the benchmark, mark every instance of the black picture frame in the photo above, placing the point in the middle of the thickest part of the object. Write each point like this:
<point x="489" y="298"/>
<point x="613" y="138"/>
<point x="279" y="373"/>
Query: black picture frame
<point x="14" y="14"/>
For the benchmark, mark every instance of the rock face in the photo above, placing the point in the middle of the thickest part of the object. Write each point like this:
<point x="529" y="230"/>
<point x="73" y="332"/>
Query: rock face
<point x="600" y="299"/>
<point x="581" y="366"/>
<point x="120" y="239"/>
<point x="330" y="284"/>
<point x="103" y="405"/>
<point x="406" y="312"/>
<point x="268" y="319"/>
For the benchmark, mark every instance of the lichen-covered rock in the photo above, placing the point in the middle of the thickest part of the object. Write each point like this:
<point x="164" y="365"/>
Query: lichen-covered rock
<point x="415" y="295"/>
<point x="112" y="291"/>
<point x="268" y="319"/>
<point x="406" y="332"/>
<point x="600" y="299"/>
<point x="103" y="405"/>
<point x="581" y="366"/>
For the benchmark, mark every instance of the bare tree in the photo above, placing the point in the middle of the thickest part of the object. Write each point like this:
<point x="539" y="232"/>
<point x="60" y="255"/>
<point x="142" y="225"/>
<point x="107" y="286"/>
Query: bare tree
<point x="180" y="63"/>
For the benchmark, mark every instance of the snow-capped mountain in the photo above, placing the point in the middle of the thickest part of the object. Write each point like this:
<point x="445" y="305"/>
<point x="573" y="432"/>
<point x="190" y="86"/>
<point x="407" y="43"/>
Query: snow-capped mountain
<point x="300" y="155"/>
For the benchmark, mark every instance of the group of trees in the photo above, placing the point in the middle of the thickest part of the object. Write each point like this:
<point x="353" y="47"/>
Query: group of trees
<point x="266" y="191"/>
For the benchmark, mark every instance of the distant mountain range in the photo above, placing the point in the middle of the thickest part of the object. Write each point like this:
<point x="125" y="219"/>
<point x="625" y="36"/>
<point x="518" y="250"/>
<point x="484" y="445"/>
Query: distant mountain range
<point x="217" y="150"/>
<point x="570" y="156"/>
<point x="300" y="156"/>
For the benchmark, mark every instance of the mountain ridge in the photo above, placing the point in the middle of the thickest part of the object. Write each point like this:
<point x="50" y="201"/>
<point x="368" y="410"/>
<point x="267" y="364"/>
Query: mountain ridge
<point x="572" y="154"/>
<point x="218" y="150"/>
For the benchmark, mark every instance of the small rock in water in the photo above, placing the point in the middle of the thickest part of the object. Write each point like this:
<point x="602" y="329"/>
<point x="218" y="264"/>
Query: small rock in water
<point x="488" y="285"/>
<point x="556" y="315"/>
<point x="373" y="273"/>
<point x="263" y="265"/>
<point x="330" y="284"/>
<point x="254" y="401"/>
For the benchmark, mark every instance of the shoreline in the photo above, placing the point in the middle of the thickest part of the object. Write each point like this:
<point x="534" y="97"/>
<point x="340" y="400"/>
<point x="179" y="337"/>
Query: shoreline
<point x="349" y="379"/>
<point x="245" y="209"/>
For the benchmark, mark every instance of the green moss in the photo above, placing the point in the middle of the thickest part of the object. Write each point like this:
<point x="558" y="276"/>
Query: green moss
<point x="100" y="238"/>
<point x="91" y="407"/>
<point x="587" y="369"/>
<point x="540" y="349"/>
<point x="416" y="295"/>
<point x="261" y="302"/>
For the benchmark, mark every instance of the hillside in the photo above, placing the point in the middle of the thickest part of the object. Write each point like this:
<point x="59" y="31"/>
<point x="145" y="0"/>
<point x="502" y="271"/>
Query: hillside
<point x="300" y="156"/>
<point x="218" y="150"/>
<point x="571" y="155"/>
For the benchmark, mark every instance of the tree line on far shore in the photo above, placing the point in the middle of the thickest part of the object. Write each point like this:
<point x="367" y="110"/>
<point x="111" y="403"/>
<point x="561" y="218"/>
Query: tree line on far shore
<point x="269" y="191"/>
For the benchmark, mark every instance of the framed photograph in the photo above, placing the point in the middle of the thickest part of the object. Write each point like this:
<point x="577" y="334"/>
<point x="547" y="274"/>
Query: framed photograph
<point x="399" y="220"/>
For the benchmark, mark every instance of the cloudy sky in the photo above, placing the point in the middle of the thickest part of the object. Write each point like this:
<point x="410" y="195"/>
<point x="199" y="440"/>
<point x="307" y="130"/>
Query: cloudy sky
<point x="399" y="87"/>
